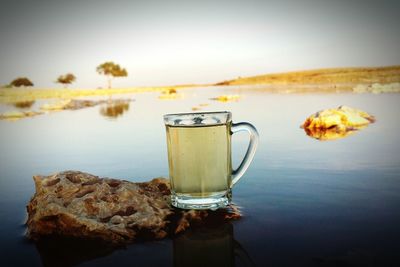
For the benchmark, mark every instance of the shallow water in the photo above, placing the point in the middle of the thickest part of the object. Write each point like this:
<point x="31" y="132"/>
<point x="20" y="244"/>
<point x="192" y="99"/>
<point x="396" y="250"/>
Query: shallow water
<point x="305" y="202"/>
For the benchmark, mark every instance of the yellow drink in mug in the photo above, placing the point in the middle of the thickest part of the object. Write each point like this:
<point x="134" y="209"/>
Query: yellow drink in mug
<point x="199" y="157"/>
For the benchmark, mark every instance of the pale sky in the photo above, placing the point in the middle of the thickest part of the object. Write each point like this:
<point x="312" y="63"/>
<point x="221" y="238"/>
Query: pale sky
<point x="175" y="42"/>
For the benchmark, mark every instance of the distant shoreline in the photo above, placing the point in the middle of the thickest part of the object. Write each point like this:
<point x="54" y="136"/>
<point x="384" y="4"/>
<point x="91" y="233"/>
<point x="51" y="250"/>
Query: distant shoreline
<point x="12" y="95"/>
<point x="335" y="80"/>
<point x="361" y="75"/>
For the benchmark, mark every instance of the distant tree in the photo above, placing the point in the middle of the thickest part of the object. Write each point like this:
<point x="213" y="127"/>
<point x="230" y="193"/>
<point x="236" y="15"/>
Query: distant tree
<point x="111" y="70"/>
<point x="66" y="79"/>
<point x="21" y="81"/>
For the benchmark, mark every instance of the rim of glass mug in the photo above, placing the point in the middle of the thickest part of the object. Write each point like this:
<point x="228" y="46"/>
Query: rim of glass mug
<point x="198" y="118"/>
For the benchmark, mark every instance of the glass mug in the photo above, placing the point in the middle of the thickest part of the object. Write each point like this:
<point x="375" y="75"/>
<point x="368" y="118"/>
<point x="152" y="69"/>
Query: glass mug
<point x="199" y="157"/>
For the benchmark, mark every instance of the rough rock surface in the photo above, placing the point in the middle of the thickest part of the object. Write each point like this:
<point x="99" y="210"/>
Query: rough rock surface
<point x="336" y="123"/>
<point x="82" y="205"/>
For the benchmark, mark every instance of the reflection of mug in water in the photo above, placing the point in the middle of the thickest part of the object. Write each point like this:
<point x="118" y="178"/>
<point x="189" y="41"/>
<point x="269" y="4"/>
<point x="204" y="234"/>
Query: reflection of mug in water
<point x="205" y="247"/>
<point x="209" y="246"/>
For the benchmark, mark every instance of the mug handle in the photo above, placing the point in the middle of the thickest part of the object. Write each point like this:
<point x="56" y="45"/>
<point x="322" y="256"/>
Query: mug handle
<point x="251" y="150"/>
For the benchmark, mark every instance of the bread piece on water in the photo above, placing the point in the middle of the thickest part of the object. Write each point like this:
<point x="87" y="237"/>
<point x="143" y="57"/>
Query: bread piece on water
<point x="336" y="123"/>
<point x="78" y="204"/>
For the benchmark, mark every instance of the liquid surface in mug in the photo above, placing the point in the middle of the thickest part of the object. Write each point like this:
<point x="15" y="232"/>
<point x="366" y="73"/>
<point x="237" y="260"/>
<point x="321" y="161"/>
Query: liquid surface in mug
<point x="199" y="159"/>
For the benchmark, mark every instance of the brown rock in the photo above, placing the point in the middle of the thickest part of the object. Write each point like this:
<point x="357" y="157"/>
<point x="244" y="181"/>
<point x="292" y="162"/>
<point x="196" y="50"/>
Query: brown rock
<point x="77" y="204"/>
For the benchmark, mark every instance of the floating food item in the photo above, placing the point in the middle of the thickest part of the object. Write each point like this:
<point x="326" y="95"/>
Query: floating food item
<point x="77" y="204"/>
<point x="337" y="123"/>
<point x="226" y="98"/>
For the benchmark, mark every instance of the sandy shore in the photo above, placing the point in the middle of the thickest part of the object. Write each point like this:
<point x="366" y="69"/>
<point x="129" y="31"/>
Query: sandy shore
<point x="13" y="95"/>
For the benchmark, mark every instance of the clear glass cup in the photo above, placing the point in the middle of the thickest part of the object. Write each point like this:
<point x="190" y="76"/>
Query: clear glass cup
<point x="199" y="157"/>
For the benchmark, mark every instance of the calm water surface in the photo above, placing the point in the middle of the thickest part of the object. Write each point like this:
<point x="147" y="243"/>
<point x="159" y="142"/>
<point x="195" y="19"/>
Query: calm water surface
<point x="305" y="202"/>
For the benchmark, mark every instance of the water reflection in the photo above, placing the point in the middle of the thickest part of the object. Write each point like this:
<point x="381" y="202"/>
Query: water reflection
<point x="17" y="115"/>
<point x="226" y="98"/>
<point x="170" y="94"/>
<point x="355" y="181"/>
<point x="331" y="133"/>
<point x="112" y="108"/>
<point x="209" y="246"/>
<point x="71" y="104"/>
<point x="66" y="252"/>
<point x="115" y="108"/>
<point x="24" y="104"/>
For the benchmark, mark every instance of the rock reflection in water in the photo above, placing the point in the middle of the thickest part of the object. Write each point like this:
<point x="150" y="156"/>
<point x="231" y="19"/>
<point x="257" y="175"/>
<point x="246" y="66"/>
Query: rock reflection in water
<point x="170" y="94"/>
<point x="24" y="104"/>
<point x="331" y="133"/>
<point x="227" y="98"/>
<point x="71" y="104"/>
<point x="65" y="252"/>
<point x="209" y="246"/>
<point x="115" y="108"/>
